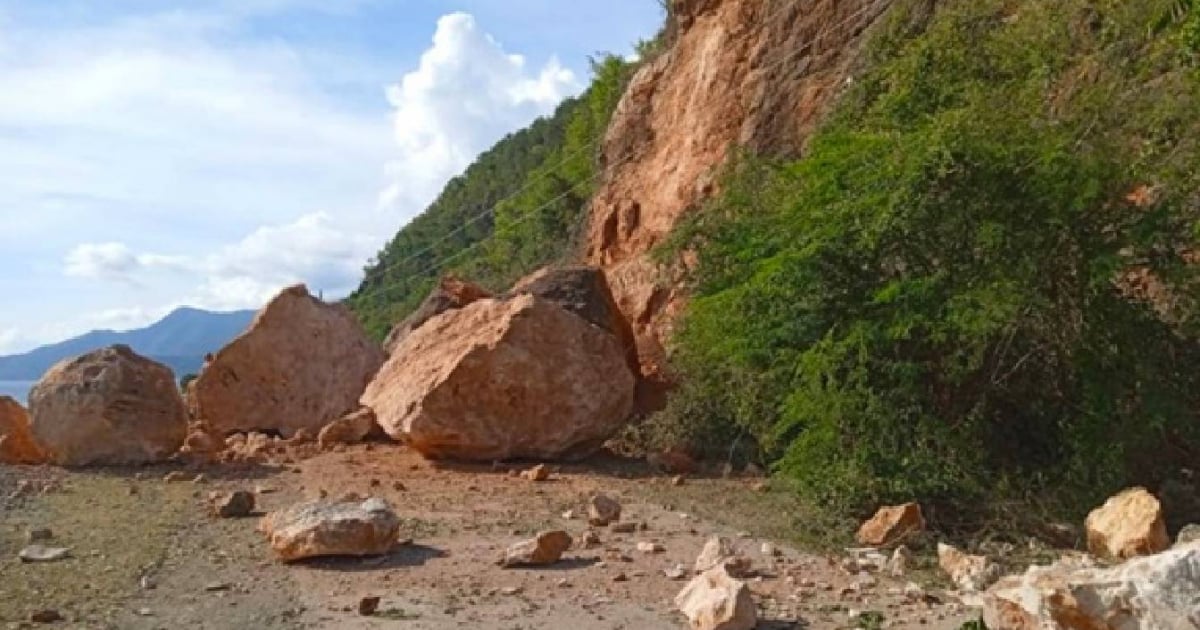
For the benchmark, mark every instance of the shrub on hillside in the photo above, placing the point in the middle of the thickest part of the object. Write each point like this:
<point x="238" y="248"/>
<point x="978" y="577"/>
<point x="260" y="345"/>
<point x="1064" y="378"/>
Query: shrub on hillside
<point x="977" y="281"/>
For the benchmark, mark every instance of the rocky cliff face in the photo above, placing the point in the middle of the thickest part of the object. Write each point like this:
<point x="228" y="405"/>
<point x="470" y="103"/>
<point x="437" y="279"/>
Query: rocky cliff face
<point x="739" y="73"/>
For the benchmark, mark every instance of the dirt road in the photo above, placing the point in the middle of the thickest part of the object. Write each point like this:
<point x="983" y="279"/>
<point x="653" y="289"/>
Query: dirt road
<point x="145" y="553"/>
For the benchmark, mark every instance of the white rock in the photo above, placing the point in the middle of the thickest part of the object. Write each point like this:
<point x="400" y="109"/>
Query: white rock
<point x="716" y="601"/>
<point x="1147" y="593"/>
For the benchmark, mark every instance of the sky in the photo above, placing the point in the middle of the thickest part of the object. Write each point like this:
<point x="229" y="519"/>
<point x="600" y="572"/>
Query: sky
<point x="160" y="153"/>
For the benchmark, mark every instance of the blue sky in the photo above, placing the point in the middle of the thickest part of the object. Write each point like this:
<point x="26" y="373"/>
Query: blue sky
<point x="155" y="153"/>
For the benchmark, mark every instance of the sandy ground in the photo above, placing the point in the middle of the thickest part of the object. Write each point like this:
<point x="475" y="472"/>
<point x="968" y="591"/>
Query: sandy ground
<point x="146" y="554"/>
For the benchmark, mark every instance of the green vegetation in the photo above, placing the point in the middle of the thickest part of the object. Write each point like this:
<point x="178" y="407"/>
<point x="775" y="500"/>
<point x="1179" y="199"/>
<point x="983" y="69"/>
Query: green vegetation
<point x="541" y="177"/>
<point x="975" y="285"/>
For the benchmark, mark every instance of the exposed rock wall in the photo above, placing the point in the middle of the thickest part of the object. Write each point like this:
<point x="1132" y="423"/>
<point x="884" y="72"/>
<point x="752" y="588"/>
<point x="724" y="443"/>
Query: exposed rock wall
<point x="757" y="74"/>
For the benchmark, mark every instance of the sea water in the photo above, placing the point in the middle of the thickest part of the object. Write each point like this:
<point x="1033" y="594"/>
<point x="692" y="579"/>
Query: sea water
<point x="16" y="389"/>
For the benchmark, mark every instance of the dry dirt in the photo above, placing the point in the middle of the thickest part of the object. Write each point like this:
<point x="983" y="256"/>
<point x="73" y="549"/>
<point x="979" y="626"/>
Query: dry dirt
<point x="146" y="554"/>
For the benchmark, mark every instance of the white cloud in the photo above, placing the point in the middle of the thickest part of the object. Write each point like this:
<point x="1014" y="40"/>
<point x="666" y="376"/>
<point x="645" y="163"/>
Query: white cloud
<point x="466" y="92"/>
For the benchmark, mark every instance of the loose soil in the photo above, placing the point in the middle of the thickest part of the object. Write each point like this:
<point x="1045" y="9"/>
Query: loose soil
<point x="147" y="554"/>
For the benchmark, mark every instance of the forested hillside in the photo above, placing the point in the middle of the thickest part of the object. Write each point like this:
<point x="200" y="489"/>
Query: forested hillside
<point x="978" y="285"/>
<point x="516" y="208"/>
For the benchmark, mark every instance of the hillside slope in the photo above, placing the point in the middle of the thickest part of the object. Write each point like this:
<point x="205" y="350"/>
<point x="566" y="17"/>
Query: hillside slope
<point x="180" y="340"/>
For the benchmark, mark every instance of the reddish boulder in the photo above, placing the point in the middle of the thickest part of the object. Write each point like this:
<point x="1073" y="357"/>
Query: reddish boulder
<point x="301" y="364"/>
<point x="891" y="525"/>
<point x="450" y="294"/>
<point x="109" y="407"/>
<point x="504" y="379"/>
<point x="17" y="445"/>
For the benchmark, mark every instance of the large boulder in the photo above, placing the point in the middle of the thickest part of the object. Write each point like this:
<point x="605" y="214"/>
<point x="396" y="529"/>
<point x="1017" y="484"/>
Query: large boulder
<point x="1152" y="592"/>
<point x="449" y="294"/>
<point x="17" y="445"/>
<point x="109" y="407"/>
<point x="301" y="364"/>
<point x="501" y="379"/>
<point x="716" y="601"/>
<point x="1127" y="525"/>
<point x="583" y="290"/>
<point x="325" y="528"/>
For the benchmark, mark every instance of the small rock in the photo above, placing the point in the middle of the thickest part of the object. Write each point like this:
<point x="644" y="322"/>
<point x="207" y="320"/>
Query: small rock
<point x="720" y="551"/>
<point x="368" y="605"/>
<point x="892" y="524"/>
<point x="48" y="615"/>
<point x="768" y="550"/>
<point x="716" y="601"/>
<point x="970" y="573"/>
<point x="1129" y="524"/>
<point x="511" y="590"/>
<point x="214" y="587"/>
<point x="537" y="473"/>
<point x="677" y="572"/>
<point x="627" y="527"/>
<point x="603" y="510"/>
<point x="620" y="577"/>
<point x="175" y="476"/>
<point x="590" y="539"/>
<point x="200" y="479"/>
<point x="569" y="515"/>
<point x="901" y="559"/>
<point x="42" y="553"/>
<point x="39" y="534"/>
<point x="546" y="549"/>
<point x="264" y="489"/>
<point x="761" y="486"/>
<point x="320" y="528"/>
<point x="677" y="480"/>
<point x="1189" y="534"/>
<point x="235" y="504"/>
<point x="145" y="612"/>
<point x="147" y="583"/>
<point x="650" y="547"/>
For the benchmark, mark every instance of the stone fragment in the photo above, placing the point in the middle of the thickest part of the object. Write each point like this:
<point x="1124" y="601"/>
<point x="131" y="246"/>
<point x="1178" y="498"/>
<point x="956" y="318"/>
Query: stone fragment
<point x="968" y="572"/>
<point x="891" y="524"/>
<point x="351" y="428"/>
<point x="714" y="600"/>
<point x="544" y="549"/>
<point x="719" y="551"/>
<point x="603" y="510"/>
<point x="1129" y="524"/>
<point x="42" y="553"/>
<point x="324" y="528"/>
<point x="236" y="504"/>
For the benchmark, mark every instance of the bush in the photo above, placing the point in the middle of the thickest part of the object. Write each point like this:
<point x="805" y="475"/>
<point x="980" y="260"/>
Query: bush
<point x="976" y="282"/>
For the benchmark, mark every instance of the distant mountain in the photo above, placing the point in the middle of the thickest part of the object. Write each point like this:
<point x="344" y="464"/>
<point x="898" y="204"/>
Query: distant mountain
<point x="180" y="340"/>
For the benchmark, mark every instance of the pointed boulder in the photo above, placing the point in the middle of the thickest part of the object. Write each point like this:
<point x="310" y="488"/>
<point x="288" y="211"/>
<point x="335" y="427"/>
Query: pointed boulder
<point x="301" y="364"/>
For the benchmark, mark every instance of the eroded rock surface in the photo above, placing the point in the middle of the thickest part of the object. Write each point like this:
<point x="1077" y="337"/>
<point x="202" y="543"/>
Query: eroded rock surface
<point x="301" y="364"/>
<point x="503" y="379"/>
<point x="451" y="293"/>
<point x="17" y="445"/>
<point x="108" y="407"/>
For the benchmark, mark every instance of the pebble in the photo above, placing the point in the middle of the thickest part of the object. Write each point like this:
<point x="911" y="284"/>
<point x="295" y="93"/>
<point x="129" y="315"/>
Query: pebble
<point x="48" y="615"/>
<point x="368" y="605"/>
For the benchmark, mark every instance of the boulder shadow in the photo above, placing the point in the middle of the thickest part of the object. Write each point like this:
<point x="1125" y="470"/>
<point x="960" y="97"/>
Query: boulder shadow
<point x="406" y="556"/>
